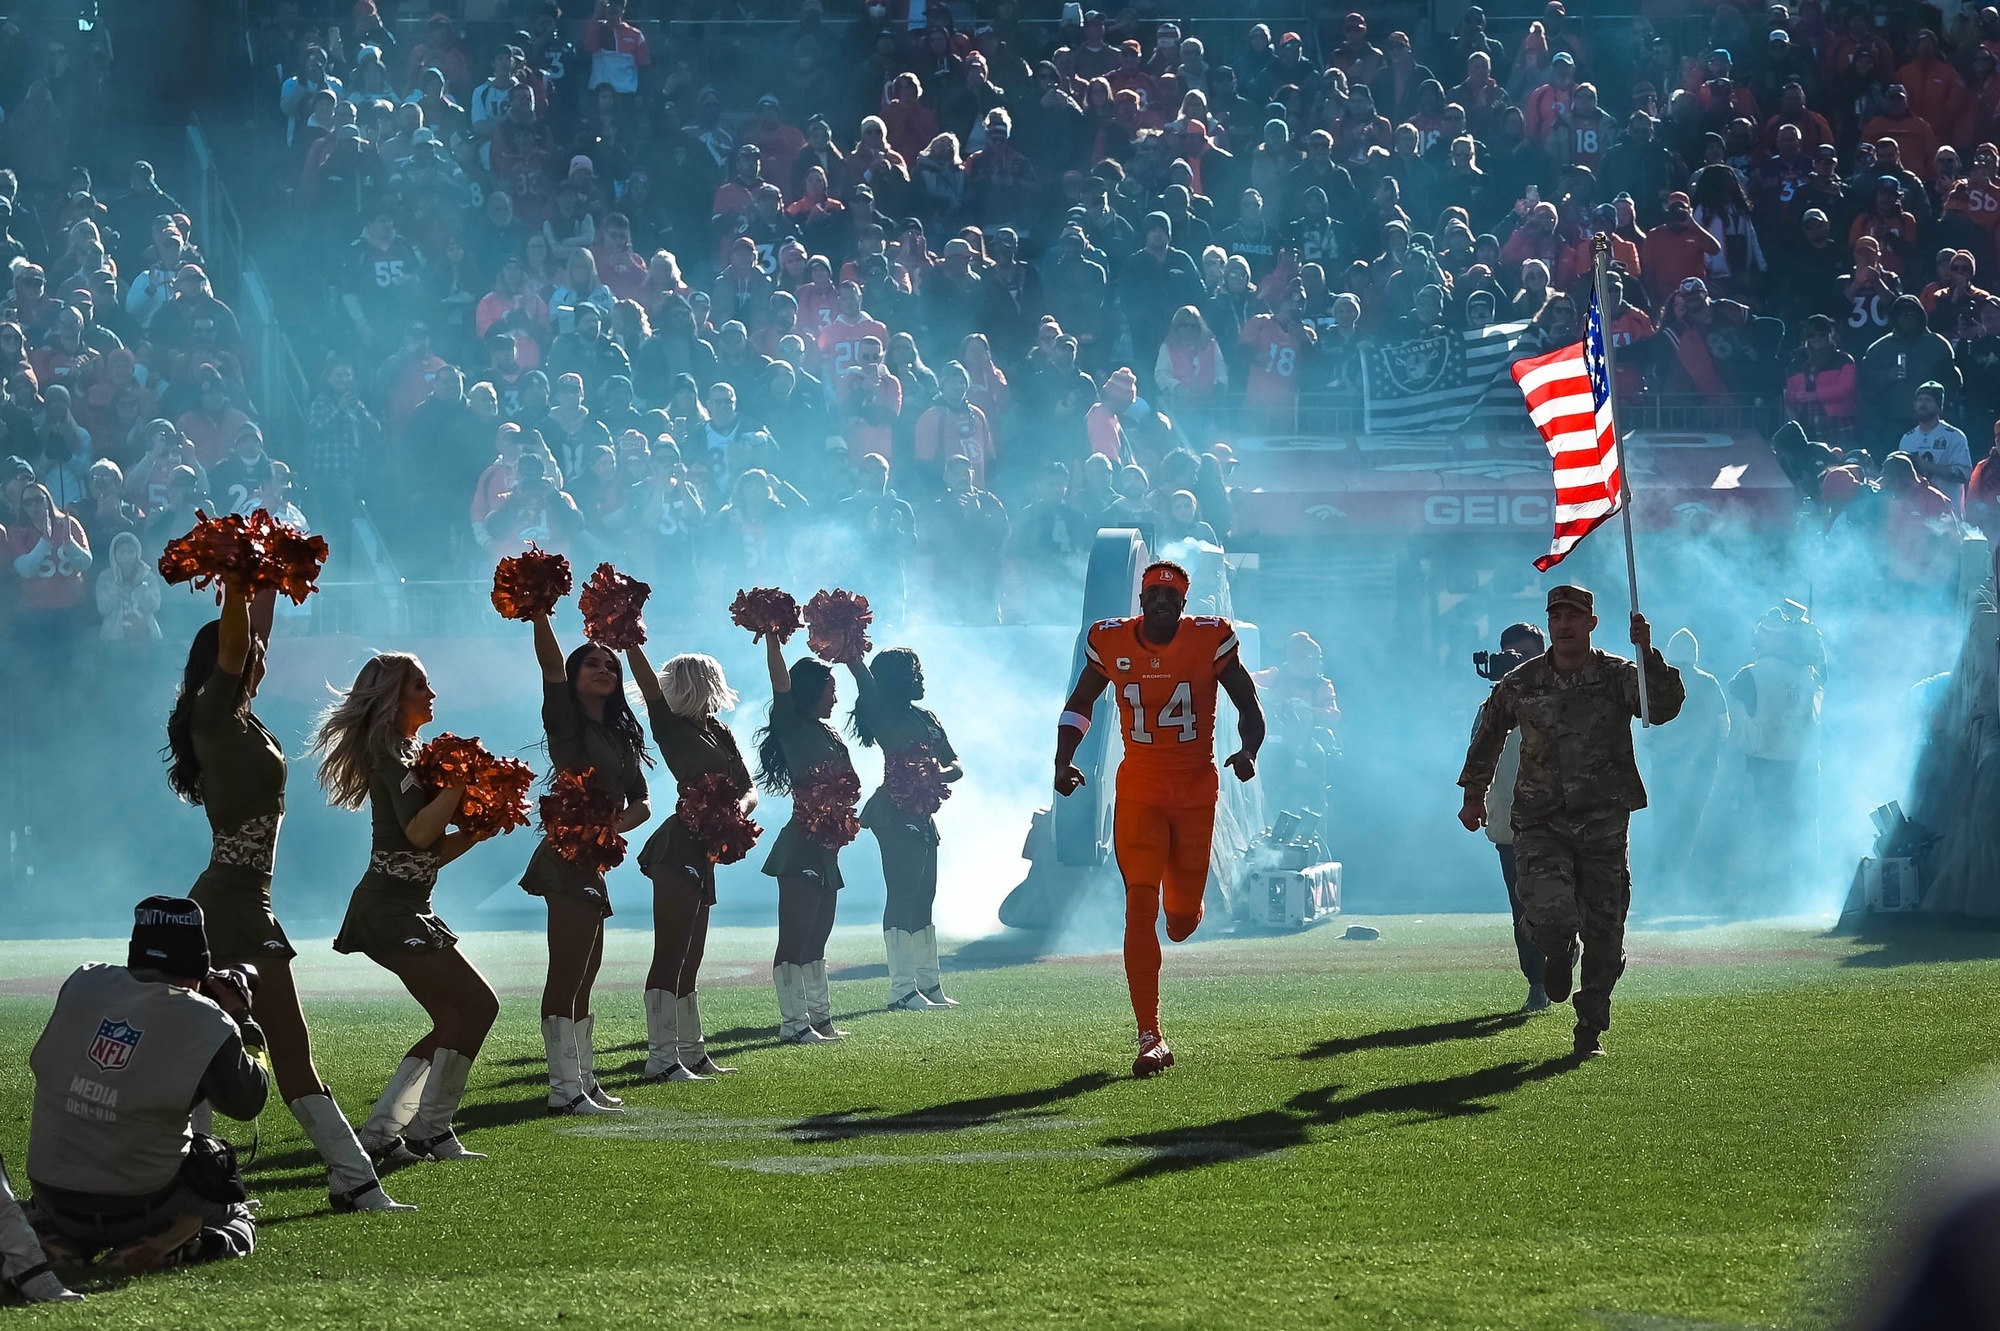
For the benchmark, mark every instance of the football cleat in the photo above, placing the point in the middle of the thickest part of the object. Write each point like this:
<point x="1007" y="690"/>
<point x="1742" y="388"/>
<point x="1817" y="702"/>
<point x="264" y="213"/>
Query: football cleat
<point x="1588" y="1045"/>
<point x="912" y="1002"/>
<point x="804" y="1035"/>
<point x="937" y="998"/>
<point x="1538" y="999"/>
<point x="605" y="1099"/>
<point x="1154" y="1055"/>
<point x="708" y="1067"/>
<point x="828" y="1031"/>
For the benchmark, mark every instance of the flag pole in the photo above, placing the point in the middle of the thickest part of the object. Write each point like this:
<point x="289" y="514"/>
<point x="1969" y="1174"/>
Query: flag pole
<point x="1601" y="269"/>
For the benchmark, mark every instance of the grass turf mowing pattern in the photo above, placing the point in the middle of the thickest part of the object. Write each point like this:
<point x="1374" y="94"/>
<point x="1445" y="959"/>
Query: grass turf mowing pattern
<point x="1357" y="1134"/>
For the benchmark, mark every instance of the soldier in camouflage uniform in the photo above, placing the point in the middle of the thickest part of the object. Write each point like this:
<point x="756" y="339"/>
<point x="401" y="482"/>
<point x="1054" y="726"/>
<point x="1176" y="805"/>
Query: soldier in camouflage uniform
<point x="1574" y="797"/>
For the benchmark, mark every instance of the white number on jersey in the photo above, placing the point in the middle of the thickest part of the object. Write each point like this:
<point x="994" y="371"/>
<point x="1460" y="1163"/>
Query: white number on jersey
<point x="1177" y="714"/>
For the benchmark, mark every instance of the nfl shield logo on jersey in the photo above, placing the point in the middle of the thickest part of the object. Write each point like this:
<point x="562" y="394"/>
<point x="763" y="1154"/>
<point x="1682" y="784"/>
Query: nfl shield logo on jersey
<point x="116" y="1039"/>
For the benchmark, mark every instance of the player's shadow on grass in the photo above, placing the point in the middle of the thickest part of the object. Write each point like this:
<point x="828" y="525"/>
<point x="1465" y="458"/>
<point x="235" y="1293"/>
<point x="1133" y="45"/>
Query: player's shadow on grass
<point x="1414" y="1037"/>
<point x="1247" y="1136"/>
<point x="948" y="1116"/>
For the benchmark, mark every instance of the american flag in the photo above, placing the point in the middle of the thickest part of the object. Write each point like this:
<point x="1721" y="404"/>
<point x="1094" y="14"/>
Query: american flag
<point x="1569" y="399"/>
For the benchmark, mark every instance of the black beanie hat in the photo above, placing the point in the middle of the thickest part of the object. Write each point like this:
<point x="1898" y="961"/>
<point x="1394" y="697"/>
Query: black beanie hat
<point x="168" y="936"/>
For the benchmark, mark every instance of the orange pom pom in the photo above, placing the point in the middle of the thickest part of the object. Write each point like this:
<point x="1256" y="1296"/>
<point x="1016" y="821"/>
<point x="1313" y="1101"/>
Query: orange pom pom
<point x="496" y="789"/>
<point x="711" y="809"/>
<point x="528" y="585"/>
<point x="823" y="801"/>
<point x="767" y="610"/>
<point x="577" y="819"/>
<point x="611" y="604"/>
<point x="837" y="626"/>
<point x="914" y="780"/>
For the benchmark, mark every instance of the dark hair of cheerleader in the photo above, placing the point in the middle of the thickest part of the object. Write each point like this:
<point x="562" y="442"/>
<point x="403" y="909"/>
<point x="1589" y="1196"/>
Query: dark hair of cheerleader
<point x="899" y="682"/>
<point x="618" y="717"/>
<point x="809" y="680"/>
<point x="183" y="768"/>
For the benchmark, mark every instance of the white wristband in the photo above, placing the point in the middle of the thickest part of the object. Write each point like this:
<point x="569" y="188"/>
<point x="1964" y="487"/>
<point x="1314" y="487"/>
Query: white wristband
<point x="1080" y="721"/>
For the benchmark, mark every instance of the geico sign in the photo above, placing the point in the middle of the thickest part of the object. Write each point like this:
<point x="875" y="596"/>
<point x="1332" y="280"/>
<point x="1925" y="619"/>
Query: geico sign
<point x="1486" y="511"/>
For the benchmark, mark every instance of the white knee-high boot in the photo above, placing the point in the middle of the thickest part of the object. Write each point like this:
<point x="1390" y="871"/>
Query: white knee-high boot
<point x="586" y="1062"/>
<point x="902" y="973"/>
<point x="351" y="1184"/>
<point x="666" y="1038"/>
<point x="565" y="1077"/>
<point x="663" y="1038"/>
<point x="22" y="1262"/>
<point x="694" y="1045"/>
<point x="819" y="1006"/>
<point x="795" y="1024"/>
<point x="930" y="981"/>
<point x="381" y="1135"/>
<point x="430" y="1129"/>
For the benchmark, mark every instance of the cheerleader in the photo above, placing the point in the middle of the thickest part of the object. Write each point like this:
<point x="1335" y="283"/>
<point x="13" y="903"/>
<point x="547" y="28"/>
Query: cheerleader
<point x="794" y="749"/>
<point x="590" y="727"/>
<point x="366" y="743"/>
<point x="682" y="703"/>
<point x="222" y="758"/>
<point x="886" y="714"/>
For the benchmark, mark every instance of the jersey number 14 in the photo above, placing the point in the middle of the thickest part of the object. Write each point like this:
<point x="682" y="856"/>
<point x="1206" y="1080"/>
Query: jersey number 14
<point x="1178" y="713"/>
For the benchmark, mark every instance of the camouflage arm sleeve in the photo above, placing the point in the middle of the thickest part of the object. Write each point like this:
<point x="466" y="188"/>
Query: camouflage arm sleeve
<point x="1665" y="692"/>
<point x="1489" y="737"/>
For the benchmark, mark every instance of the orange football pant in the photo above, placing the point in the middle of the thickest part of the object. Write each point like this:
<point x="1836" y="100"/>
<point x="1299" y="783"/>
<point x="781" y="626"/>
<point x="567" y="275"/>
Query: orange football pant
<point x="1162" y="850"/>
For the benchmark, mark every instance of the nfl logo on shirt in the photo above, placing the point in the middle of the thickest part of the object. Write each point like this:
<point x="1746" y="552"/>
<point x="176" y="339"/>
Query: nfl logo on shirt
<point x="112" y="1049"/>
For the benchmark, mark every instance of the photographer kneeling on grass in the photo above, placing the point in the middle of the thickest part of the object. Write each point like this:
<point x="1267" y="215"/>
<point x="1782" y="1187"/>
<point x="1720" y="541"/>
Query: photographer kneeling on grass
<point x="128" y="1054"/>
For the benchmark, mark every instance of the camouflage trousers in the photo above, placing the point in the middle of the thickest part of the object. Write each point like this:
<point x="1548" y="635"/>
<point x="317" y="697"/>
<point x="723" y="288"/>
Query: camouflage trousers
<point x="1576" y="881"/>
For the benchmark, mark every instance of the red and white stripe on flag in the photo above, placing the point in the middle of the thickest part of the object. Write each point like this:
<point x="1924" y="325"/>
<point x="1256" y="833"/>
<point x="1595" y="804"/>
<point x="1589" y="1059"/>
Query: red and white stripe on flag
<point x="1574" y="416"/>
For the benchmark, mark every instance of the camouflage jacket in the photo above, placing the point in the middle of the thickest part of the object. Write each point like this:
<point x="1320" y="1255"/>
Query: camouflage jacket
<point x="1576" y="734"/>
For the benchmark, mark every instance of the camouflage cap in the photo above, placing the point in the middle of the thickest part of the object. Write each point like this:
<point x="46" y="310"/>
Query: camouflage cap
<point x="1572" y="595"/>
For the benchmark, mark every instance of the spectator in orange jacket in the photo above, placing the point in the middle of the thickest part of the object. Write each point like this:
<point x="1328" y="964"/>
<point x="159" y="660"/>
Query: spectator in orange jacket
<point x="1937" y="94"/>
<point x="1676" y="250"/>
<point x="1914" y="136"/>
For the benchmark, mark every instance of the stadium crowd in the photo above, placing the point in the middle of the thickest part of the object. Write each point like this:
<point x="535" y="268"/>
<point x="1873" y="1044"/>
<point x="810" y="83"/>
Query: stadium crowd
<point x="939" y="288"/>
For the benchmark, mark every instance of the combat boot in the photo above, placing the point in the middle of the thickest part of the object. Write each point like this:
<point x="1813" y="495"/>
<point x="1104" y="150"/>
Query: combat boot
<point x="1559" y="973"/>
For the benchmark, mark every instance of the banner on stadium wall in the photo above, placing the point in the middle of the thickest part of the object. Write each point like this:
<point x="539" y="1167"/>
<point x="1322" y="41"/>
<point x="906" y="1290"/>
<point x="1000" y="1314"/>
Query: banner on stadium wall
<point x="1486" y="485"/>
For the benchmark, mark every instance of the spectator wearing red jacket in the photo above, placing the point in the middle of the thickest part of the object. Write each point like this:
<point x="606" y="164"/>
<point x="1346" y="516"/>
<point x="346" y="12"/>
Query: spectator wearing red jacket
<point x="1820" y="391"/>
<point x="49" y="553"/>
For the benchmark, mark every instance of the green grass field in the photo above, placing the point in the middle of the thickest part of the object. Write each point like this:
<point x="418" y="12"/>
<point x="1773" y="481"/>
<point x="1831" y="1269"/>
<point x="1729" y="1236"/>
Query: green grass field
<point x="1357" y="1134"/>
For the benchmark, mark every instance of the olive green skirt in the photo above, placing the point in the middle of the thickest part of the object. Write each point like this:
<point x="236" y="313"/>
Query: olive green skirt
<point x="235" y="905"/>
<point x="389" y="919"/>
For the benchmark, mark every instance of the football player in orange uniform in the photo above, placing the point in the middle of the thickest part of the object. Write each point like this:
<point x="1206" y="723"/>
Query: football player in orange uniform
<point x="1163" y="670"/>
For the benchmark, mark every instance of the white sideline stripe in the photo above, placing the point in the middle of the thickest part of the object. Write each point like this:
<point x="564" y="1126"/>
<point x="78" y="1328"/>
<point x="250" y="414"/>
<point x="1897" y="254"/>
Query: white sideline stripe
<point x="833" y="1164"/>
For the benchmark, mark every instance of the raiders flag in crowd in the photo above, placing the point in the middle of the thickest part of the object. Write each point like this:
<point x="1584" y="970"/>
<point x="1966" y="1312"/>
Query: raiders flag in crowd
<point x="1435" y="383"/>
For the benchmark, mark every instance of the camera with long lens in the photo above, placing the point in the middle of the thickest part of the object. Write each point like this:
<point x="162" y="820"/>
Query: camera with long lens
<point x="240" y="979"/>
<point x="1496" y="665"/>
